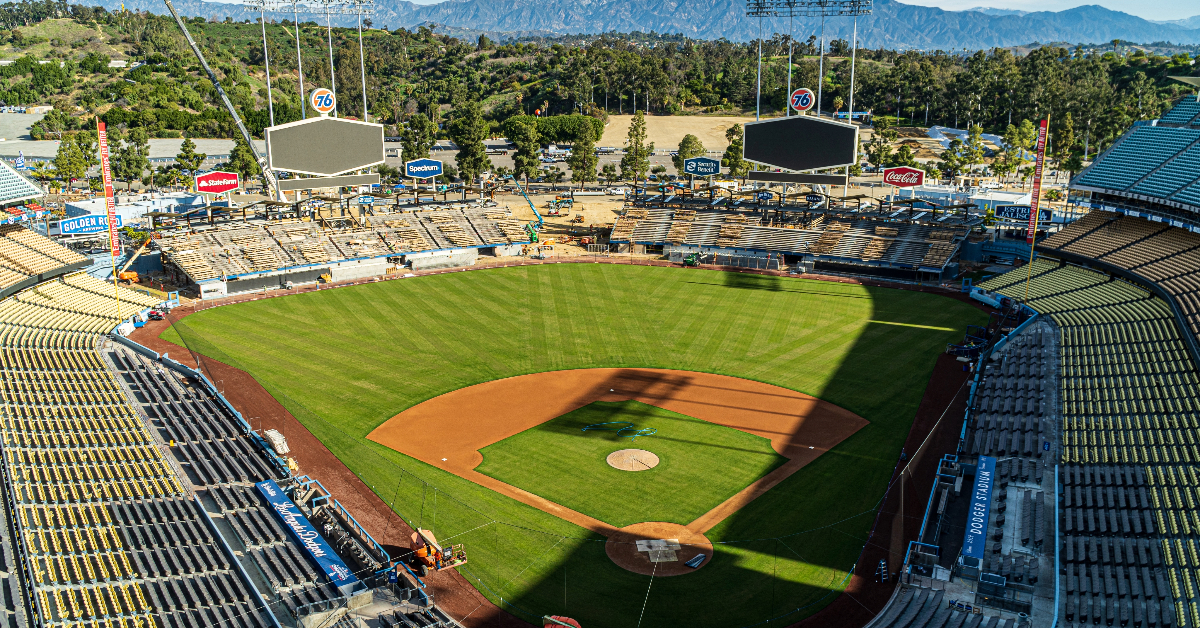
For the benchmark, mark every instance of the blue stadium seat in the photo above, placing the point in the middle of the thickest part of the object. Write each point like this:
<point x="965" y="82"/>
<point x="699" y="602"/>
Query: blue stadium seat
<point x="1142" y="150"/>
<point x="1177" y="173"/>
<point x="1183" y="112"/>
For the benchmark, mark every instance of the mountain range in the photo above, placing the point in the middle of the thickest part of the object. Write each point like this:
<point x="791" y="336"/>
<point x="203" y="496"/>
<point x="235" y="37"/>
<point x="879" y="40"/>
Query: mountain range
<point x="891" y="24"/>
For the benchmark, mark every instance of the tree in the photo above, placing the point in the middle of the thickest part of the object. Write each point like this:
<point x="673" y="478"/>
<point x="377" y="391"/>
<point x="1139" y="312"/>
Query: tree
<point x="468" y="130"/>
<point x="43" y="171"/>
<point x="879" y="149"/>
<point x="242" y="161"/>
<point x="904" y="157"/>
<point x="524" y="135"/>
<point x="417" y="137"/>
<point x="636" y="160"/>
<point x="133" y="158"/>
<point x="74" y="157"/>
<point x="608" y="173"/>
<point x="555" y="175"/>
<point x="188" y="159"/>
<point x="732" y="159"/>
<point x="1018" y="140"/>
<point x="952" y="161"/>
<point x="689" y="147"/>
<point x="972" y="149"/>
<point x="583" y="157"/>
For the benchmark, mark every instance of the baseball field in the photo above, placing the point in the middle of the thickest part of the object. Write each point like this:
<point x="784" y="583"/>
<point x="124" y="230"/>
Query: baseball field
<point x="347" y="361"/>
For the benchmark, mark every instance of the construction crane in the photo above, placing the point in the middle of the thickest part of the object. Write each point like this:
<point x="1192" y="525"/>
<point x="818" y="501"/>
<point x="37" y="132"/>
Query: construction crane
<point x="131" y="276"/>
<point x="262" y="161"/>
<point x="540" y="223"/>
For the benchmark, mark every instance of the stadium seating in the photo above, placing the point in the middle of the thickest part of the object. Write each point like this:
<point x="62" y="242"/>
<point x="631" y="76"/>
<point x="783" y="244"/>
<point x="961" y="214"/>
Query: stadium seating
<point x="1168" y="256"/>
<point x="24" y="253"/>
<point x="242" y="249"/>
<point x="844" y="240"/>
<point x="220" y="461"/>
<point x="1135" y="155"/>
<point x="1127" y="389"/>
<point x="1185" y="112"/>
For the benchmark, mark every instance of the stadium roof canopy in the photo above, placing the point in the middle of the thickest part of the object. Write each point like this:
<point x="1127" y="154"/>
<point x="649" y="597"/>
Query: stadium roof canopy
<point x="14" y="187"/>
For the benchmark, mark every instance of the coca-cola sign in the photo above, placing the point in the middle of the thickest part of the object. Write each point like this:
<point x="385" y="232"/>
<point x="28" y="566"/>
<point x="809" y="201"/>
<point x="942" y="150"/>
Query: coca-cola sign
<point x="904" y="177"/>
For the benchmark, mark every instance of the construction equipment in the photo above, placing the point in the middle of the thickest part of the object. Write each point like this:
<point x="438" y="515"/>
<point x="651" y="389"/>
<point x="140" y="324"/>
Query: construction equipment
<point x="427" y="554"/>
<point x="692" y="260"/>
<point x="126" y="275"/>
<point x="540" y="221"/>
<point x="578" y="219"/>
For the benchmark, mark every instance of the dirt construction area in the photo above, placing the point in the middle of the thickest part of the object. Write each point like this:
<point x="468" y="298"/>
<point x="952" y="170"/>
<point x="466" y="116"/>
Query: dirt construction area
<point x="667" y="131"/>
<point x="455" y="426"/>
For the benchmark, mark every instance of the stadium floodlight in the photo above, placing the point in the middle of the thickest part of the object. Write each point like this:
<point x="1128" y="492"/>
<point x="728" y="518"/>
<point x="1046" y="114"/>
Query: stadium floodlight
<point x="361" y="8"/>
<point x="329" y="8"/>
<point x="808" y="8"/>
<point x="262" y="6"/>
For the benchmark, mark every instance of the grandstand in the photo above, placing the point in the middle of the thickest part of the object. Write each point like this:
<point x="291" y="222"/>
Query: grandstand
<point x="865" y="240"/>
<point x="1106" y="381"/>
<point x="248" y="255"/>
<point x="27" y="257"/>
<point x="101" y="528"/>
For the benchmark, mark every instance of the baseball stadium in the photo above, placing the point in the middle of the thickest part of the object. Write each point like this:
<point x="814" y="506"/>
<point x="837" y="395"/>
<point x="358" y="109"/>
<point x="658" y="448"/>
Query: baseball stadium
<point x="730" y="412"/>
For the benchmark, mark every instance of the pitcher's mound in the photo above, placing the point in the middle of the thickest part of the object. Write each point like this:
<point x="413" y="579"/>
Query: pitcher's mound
<point x="632" y="460"/>
<point x="658" y="548"/>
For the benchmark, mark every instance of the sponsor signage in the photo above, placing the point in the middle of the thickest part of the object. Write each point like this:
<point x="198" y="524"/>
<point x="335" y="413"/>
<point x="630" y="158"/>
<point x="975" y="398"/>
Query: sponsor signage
<point x="322" y="100"/>
<point x="295" y="521"/>
<point x="1037" y="182"/>
<point x="92" y="223"/>
<point x="110" y="206"/>
<point x="802" y="99"/>
<point x="423" y="168"/>
<point x="904" y="177"/>
<point x="1020" y="213"/>
<point x="975" y="537"/>
<point x="701" y="166"/>
<point x="763" y="196"/>
<point x="366" y="200"/>
<point x="813" y="199"/>
<point x="217" y="182"/>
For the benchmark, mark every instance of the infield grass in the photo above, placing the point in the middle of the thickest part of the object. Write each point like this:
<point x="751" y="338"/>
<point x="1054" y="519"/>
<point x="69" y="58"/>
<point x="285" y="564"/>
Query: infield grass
<point x="565" y="462"/>
<point x="344" y="361"/>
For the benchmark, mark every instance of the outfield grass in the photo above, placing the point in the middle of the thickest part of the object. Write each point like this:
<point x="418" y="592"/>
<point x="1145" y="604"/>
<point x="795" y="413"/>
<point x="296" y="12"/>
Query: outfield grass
<point x="344" y="361"/>
<point x="701" y="464"/>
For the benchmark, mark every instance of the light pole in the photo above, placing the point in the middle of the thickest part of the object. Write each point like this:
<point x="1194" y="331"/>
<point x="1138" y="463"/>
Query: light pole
<point x="299" y="62"/>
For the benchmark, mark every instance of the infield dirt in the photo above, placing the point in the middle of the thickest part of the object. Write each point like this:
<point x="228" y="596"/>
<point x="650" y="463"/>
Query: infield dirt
<point x="448" y="431"/>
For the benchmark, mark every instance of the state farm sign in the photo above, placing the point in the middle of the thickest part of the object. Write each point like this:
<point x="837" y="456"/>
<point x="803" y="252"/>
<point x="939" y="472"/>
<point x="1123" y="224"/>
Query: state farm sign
<point x="217" y="182"/>
<point x="904" y="177"/>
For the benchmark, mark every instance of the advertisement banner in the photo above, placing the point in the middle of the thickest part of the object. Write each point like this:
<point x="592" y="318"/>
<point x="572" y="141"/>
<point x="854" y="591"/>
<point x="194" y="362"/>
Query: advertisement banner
<point x="217" y="182"/>
<point x="92" y="223"/>
<point x="701" y="166"/>
<point x="904" y="177"/>
<point x="295" y="521"/>
<point x="1036" y="201"/>
<point x="1020" y="213"/>
<point x="422" y="168"/>
<point x="110" y="206"/>
<point x="975" y="537"/>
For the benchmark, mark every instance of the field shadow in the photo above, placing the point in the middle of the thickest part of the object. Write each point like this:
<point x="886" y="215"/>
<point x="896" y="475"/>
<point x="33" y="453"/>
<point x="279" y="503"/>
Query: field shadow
<point x="841" y="514"/>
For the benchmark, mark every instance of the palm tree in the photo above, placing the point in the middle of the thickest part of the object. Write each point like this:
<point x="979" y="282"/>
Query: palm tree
<point x="838" y="103"/>
<point x="42" y="171"/>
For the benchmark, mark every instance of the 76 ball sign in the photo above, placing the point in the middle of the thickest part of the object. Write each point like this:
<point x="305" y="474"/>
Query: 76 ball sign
<point x="803" y="99"/>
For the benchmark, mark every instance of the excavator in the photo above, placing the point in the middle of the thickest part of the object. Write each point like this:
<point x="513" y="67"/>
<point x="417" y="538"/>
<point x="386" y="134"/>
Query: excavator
<point x="130" y="276"/>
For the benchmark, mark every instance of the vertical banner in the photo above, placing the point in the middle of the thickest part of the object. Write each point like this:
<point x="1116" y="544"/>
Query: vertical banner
<point x="1036" y="199"/>
<point x="110" y="207"/>
<point x="975" y="536"/>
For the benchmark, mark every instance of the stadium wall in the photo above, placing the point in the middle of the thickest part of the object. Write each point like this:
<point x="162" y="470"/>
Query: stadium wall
<point x="46" y="276"/>
<point x="1189" y="339"/>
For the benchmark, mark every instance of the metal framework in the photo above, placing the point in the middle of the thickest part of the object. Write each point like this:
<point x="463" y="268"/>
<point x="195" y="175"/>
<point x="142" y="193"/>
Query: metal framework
<point x="807" y="8"/>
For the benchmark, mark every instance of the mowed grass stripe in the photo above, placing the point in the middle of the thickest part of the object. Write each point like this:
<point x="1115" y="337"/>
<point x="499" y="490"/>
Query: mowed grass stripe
<point x="344" y="375"/>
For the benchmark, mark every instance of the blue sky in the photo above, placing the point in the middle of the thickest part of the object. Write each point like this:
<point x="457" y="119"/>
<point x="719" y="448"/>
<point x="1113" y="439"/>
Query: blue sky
<point x="1154" y="10"/>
